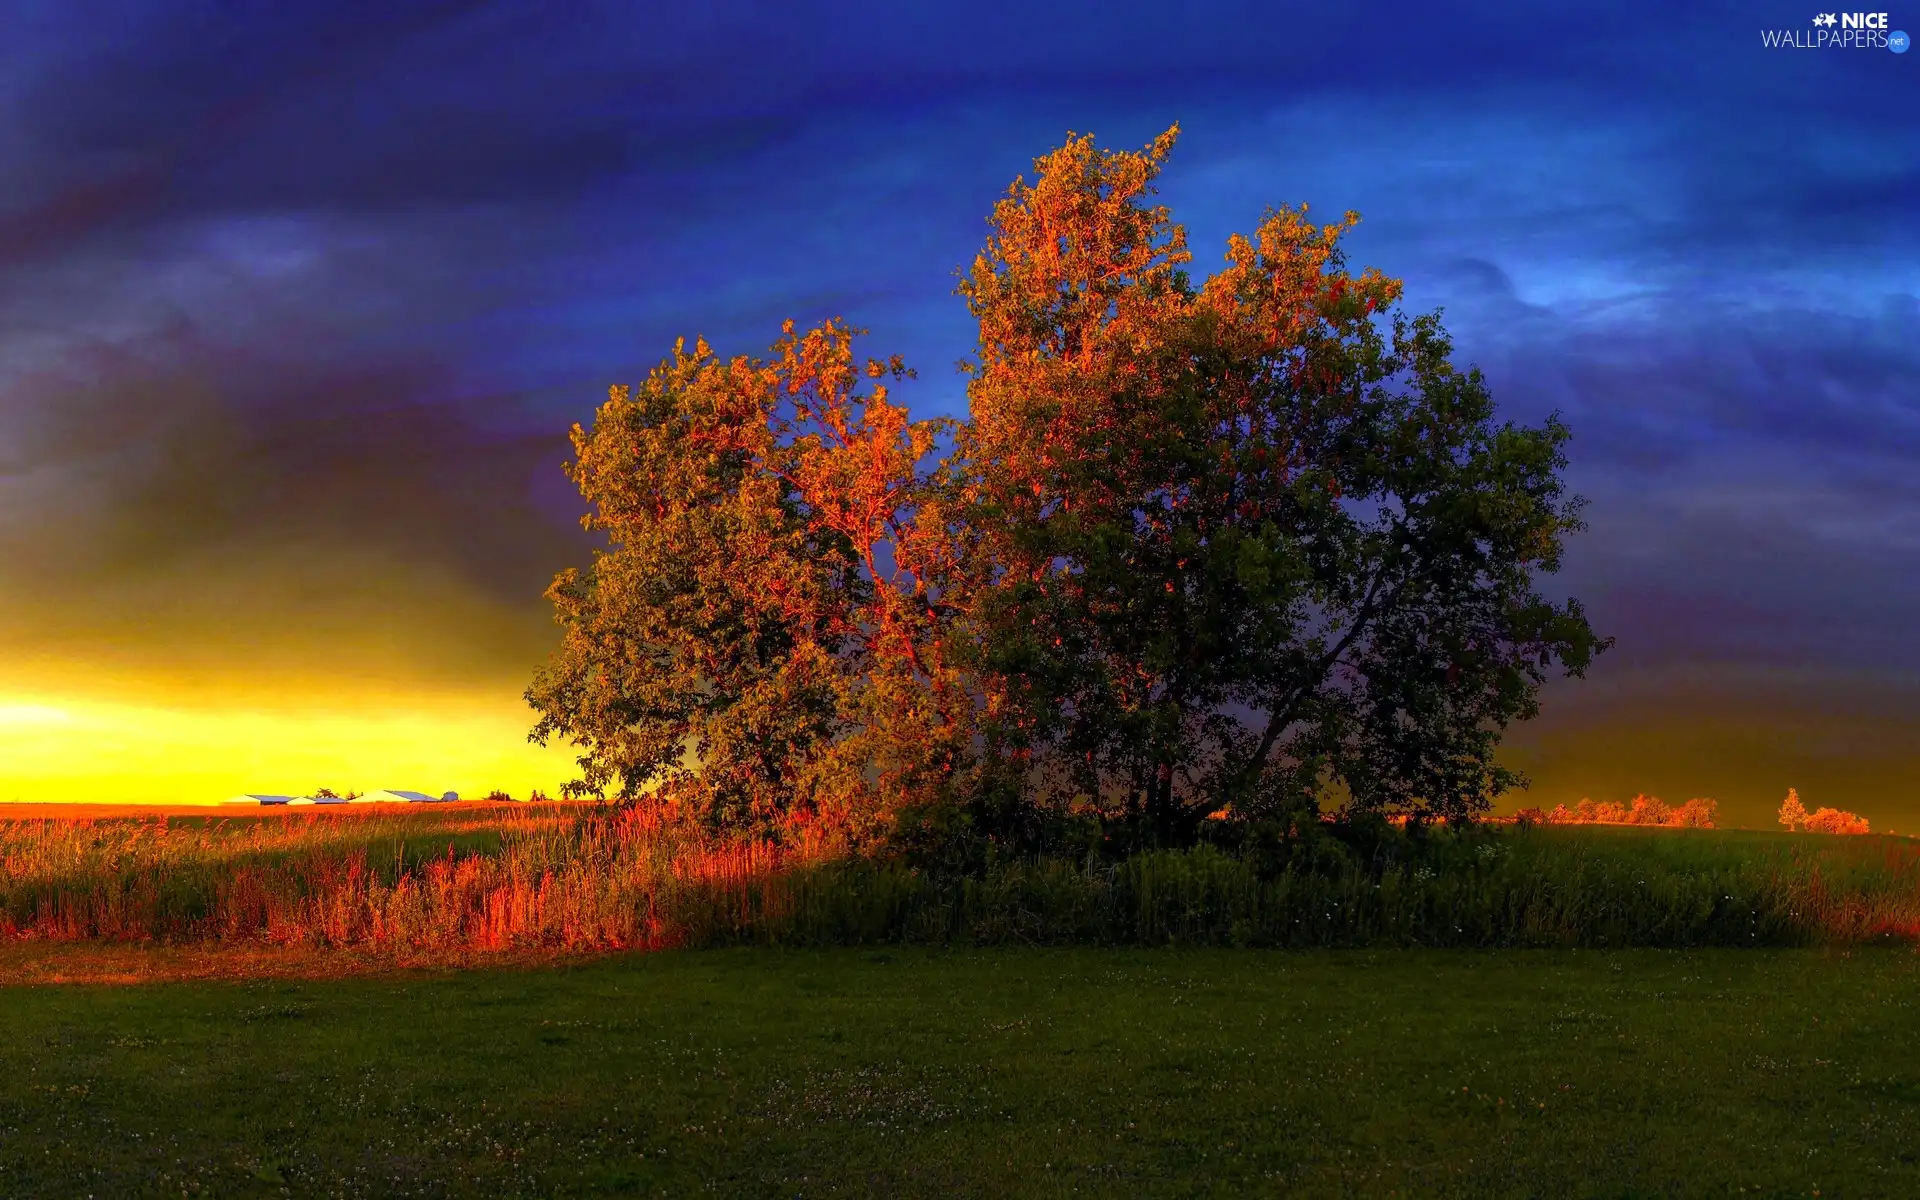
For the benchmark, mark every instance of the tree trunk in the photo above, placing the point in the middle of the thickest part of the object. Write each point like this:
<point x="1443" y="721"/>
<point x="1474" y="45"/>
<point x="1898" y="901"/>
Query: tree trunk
<point x="1160" y="801"/>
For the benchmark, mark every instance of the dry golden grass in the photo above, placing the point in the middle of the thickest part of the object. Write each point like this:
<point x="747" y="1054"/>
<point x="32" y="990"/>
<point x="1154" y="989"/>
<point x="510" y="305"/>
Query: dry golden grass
<point x="389" y="879"/>
<point x="327" y="891"/>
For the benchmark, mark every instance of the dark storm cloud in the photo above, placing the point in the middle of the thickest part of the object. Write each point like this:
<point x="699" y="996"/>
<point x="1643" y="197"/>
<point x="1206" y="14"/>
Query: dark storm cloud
<point x="198" y="456"/>
<point x="186" y="513"/>
<point x="1752" y="498"/>
<point x="120" y="106"/>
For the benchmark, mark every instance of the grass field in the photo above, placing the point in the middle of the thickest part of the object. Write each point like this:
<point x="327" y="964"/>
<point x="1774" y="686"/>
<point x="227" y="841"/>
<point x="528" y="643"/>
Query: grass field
<point x="987" y="1072"/>
<point x="511" y="879"/>
<point x="1043" y="1028"/>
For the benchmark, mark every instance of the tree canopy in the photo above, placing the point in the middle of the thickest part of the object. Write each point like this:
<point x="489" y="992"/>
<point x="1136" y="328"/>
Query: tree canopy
<point x="1249" y="549"/>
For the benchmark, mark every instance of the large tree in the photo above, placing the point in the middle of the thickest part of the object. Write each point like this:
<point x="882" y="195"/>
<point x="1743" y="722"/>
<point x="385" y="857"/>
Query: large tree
<point x="758" y="636"/>
<point x="1249" y="547"/>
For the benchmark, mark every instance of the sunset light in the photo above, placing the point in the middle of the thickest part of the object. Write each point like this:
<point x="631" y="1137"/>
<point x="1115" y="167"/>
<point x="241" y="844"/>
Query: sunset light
<point x="959" y="600"/>
<point x="23" y="714"/>
<point x="84" y="751"/>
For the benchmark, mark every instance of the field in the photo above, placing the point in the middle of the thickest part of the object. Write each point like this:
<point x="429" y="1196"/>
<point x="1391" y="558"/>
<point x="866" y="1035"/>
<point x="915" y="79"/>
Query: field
<point x="1548" y="1011"/>
<point x="430" y="884"/>
<point x="1018" y="1072"/>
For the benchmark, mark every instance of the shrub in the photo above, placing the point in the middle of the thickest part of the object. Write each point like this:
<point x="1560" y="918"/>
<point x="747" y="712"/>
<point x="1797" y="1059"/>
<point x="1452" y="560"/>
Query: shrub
<point x="1833" y="820"/>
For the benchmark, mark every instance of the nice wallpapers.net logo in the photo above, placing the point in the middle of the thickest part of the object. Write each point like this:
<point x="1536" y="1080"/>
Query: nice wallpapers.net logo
<point x="1840" y="31"/>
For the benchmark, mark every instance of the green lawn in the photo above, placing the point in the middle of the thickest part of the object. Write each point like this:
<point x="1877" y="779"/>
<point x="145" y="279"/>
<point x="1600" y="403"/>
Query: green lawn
<point x="1001" y="1072"/>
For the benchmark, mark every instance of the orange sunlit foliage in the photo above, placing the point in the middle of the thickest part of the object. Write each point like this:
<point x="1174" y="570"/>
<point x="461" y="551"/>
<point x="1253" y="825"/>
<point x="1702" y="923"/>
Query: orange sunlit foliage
<point x="761" y="637"/>
<point x="1794" y="815"/>
<point x="1111" y="581"/>
<point x="1641" y="810"/>
<point x="1834" y="820"/>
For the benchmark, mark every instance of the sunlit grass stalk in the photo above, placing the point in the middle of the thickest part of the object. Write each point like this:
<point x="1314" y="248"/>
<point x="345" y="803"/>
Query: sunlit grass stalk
<point x="517" y="878"/>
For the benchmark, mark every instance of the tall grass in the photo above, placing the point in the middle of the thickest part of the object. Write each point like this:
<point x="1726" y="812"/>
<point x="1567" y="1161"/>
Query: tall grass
<point x="485" y="880"/>
<point x="466" y="880"/>
<point x="1519" y="888"/>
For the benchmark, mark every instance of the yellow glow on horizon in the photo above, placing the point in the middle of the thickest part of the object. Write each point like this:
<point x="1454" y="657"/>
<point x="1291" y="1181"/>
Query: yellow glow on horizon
<point x="57" y="749"/>
<point x="18" y="714"/>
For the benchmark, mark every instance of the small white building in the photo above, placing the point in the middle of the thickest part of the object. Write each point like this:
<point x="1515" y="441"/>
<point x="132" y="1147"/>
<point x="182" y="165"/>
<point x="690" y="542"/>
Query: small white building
<point x="255" y="799"/>
<point x="398" y="796"/>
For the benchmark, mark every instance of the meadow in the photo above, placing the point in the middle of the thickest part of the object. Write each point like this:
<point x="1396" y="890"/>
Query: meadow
<point x="1501" y="1010"/>
<point x="987" y="1071"/>
<point x="426" y="882"/>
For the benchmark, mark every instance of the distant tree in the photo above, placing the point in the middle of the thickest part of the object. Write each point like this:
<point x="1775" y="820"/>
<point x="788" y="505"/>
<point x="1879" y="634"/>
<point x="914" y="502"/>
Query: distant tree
<point x="325" y="794"/>
<point x="1834" y="820"/>
<point x="1252" y="547"/>
<point x="1793" y="814"/>
<point x="499" y="796"/>
<point x="1698" y="813"/>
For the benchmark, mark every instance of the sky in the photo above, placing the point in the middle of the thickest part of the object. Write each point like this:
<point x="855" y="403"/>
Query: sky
<point x="298" y="300"/>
